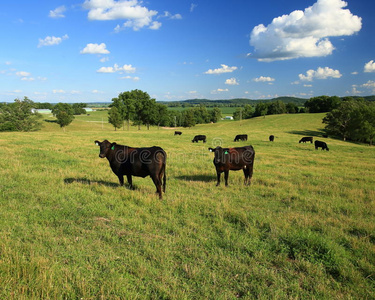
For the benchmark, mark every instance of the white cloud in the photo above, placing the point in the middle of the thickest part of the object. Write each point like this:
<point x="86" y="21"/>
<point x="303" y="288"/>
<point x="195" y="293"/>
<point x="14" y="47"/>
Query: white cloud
<point x="223" y="69"/>
<point x="168" y="15"/>
<point x="58" y="91"/>
<point x="354" y="73"/>
<point x="23" y="74"/>
<point x="104" y="59"/>
<point x="320" y="73"/>
<point x="231" y="81"/>
<point x="370" y="67"/>
<point x="51" y="40"/>
<point x="137" y="16"/>
<point x="95" y="49"/>
<point x="369" y="84"/>
<point x="264" y="79"/>
<point x="135" y="78"/>
<point x="116" y="68"/>
<point x="304" y="33"/>
<point x="192" y="7"/>
<point x="219" y="91"/>
<point x="57" y="12"/>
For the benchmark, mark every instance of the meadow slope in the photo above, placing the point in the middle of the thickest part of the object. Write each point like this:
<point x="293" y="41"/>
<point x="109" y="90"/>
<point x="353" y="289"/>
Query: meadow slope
<point x="304" y="228"/>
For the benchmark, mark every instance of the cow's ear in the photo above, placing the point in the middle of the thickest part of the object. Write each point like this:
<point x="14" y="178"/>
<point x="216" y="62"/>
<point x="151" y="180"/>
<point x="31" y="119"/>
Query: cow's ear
<point x="210" y="149"/>
<point x="113" y="146"/>
<point x="97" y="143"/>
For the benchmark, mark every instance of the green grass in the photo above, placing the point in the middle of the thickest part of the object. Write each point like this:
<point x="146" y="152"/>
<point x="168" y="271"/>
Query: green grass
<point x="304" y="229"/>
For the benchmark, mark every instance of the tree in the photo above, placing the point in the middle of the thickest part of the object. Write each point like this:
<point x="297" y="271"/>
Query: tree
<point x="115" y="118"/>
<point x="215" y="115"/>
<point x="79" y="108"/>
<point x="245" y="112"/>
<point x="322" y="104"/>
<point x="63" y="113"/>
<point x="161" y="115"/>
<point x="188" y="118"/>
<point x="291" y="108"/>
<point x="353" y="119"/>
<point x="261" y="109"/>
<point x="19" y="116"/>
<point x="277" y="107"/>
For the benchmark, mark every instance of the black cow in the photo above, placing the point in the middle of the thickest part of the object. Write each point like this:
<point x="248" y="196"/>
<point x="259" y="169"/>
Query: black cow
<point x="306" y="139"/>
<point x="177" y="133"/>
<point x="141" y="162"/>
<point x="271" y="138"/>
<point x="199" y="138"/>
<point x="320" y="144"/>
<point x="240" y="137"/>
<point x="234" y="159"/>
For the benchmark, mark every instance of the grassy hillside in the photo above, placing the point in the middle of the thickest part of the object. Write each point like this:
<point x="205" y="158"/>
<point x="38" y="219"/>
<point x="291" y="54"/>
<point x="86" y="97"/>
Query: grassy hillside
<point x="304" y="228"/>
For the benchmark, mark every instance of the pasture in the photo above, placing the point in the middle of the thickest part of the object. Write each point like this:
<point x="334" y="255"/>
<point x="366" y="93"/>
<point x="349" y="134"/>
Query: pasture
<point x="304" y="228"/>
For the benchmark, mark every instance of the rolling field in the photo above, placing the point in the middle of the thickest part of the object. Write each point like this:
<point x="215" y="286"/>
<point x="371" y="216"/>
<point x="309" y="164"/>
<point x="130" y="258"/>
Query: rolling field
<point x="304" y="229"/>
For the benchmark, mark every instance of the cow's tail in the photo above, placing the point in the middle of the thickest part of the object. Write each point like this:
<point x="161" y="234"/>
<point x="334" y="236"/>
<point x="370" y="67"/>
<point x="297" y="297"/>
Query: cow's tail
<point x="164" y="173"/>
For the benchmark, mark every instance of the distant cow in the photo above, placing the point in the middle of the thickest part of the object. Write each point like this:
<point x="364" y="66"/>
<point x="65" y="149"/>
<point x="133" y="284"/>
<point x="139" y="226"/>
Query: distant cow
<point x="306" y="139"/>
<point x="141" y="162"/>
<point x="234" y="159"/>
<point x="240" y="137"/>
<point x="320" y="144"/>
<point x="199" y="138"/>
<point x="271" y="138"/>
<point x="177" y="133"/>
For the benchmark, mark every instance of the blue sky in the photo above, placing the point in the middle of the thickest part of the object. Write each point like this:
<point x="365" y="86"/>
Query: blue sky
<point x="92" y="50"/>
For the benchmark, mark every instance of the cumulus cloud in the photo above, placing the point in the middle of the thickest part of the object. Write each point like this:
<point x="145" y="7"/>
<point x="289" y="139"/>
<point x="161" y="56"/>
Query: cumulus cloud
<point x="95" y="49"/>
<point x="369" y="84"/>
<point x="23" y="74"/>
<point x="219" y="91"/>
<point x="231" y="81"/>
<point x="116" y="68"/>
<point x="135" y="78"/>
<point x="320" y="73"/>
<point x="370" y="67"/>
<point x="304" y="33"/>
<point x="264" y="79"/>
<point x="57" y="12"/>
<point x="51" y="40"/>
<point x="223" y="69"/>
<point x="137" y="16"/>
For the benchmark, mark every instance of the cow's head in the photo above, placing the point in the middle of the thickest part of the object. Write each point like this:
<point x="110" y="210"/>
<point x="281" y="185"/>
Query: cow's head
<point x="220" y="153"/>
<point x="105" y="147"/>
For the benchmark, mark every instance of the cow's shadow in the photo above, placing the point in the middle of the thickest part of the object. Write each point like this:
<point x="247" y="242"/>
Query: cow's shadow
<point x="89" y="182"/>
<point x="205" y="178"/>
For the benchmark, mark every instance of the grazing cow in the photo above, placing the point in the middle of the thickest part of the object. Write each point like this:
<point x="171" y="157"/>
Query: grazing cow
<point x="325" y="135"/>
<point x="199" y="138"/>
<point x="240" y="137"/>
<point x="320" y="144"/>
<point x="177" y="133"/>
<point x="306" y="139"/>
<point x="141" y="162"/>
<point x="234" y="159"/>
<point x="271" y="138"/>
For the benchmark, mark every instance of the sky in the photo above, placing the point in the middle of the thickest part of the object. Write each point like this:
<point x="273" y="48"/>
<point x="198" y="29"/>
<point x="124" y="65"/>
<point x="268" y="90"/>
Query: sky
<point x="92" y="50"/>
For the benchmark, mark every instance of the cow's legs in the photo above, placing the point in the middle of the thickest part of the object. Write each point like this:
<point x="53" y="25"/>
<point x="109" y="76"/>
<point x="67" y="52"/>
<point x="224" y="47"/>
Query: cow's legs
<point x="130" y="181"/>
<point x="218" y="178"/>
<point x="121" y="179"/>
<point x="226" y="175"/>
<point x="246" y="173"/>
<point x="157" y="183"/>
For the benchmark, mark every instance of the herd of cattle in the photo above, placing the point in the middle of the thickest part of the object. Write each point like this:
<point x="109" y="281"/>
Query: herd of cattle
<point x="151" y="161"/>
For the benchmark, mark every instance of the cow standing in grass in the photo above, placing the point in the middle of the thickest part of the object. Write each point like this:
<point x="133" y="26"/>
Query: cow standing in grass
<point x="306" y="139"/>
<point x="271" y="138"/>
<point x="141" y="162"/>
<point x="235" y="159"/>
<point x="240" y="137"/>
<point x="320" y="144"/>
<point x="199" y="137"/>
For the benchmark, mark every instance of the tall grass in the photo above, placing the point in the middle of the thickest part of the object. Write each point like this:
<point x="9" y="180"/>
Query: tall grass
<point x="304" y="228"/>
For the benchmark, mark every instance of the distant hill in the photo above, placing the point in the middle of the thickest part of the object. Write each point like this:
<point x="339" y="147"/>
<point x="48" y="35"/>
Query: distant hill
<point x="243" y="101"/>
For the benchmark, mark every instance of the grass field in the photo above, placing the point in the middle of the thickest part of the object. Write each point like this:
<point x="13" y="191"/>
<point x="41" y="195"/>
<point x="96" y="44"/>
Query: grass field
<point x="304" y="229"/>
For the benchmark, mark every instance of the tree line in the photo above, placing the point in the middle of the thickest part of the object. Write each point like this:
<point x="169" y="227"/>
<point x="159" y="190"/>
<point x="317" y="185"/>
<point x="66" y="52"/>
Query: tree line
<point x="137" y="108"/>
